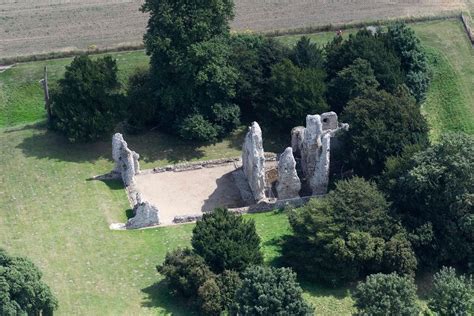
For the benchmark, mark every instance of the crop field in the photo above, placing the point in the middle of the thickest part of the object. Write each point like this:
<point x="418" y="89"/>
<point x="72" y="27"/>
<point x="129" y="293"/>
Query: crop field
<point x="32" y="27"/>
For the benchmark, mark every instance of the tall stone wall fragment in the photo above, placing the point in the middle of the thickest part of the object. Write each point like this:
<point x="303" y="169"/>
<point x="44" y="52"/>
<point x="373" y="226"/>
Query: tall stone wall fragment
<point x="315" y="150"/>
<point x="126" y="160"/>
<point x="253" y="161"/>
<point x="289" y="184"/>
<point x="320" y="179"/>
<point x="311" y="144"/>
<point x="146" y="215"/>
<point x="297" y="137"/>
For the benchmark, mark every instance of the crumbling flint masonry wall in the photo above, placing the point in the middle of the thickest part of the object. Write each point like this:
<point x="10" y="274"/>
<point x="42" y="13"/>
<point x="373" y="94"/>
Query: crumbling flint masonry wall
<point x="311" y="145"/>
<point x="127" y="167"/>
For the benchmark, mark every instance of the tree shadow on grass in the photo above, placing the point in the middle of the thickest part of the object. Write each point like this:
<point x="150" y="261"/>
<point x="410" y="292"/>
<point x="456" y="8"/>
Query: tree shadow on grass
<point x="152" y="146"/>
<point x="320" y="290"/>
<point x="158" y="295"/>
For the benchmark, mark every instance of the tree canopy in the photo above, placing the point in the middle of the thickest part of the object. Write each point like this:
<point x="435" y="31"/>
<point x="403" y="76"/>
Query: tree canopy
<point x="22" y="291"/>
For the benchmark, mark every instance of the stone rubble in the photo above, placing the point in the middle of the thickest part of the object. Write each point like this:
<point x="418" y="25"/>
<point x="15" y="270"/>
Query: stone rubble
<point x="146" y="215"/>
<point x="253" y="161"/>
<point x="289" y="183"/>
<point x="126" y="160"/>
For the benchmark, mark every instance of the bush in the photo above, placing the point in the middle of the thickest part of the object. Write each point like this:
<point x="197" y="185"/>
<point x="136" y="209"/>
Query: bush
<point x="433" y="193"/>
<point x="196" y="127"/>
<point x="229" y="282"/>
<point x="210" y="299"/>
<point x="22" y="292"/>
<point x="381" y="125"/>
<point x="452" y="294"/>
<point x="86" y="105"/>
<point x="270" y="291"/>
<point x="386" y="294"/>
<point x="226" y="241"/>
<point x="185" y="272"/>
<point x="295" y="93"/>
<point x="346" y="235"/>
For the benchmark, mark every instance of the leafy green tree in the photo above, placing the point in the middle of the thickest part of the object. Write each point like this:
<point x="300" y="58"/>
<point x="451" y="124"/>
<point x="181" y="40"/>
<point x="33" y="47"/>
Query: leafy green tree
<point x="295" y="92"/>
<point x="452" y="294"/>
<point x="383" y="60"/>
<point x="353" y="81"/>
<point x="229" y="282"/>
<point x="210" y="299"/>
<point x="141" y="106"/>
<point x="86" y="104"/>
<point x="226" y="241"/>
<point x="306" y="54"/>
<point x="190" y="63"/>
<point x="414" y="63"/>
<point x="386" y="294"/>
<point x="185" y="272"/>
<point x="22" y="291"/>
<point x="270" y="291"/>
<point x="381" y="125"/>
<point x="346" y="235"/>
<point x="433" y="192"/>
<point x="254" y="57"/>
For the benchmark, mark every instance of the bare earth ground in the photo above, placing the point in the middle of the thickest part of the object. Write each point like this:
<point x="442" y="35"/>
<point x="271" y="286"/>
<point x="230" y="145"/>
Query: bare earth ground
<point x="189" y="192"/>
<point x="38" y="26"/>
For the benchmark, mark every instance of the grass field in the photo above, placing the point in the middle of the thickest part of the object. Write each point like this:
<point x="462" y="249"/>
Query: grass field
<point x="50" y="212"/>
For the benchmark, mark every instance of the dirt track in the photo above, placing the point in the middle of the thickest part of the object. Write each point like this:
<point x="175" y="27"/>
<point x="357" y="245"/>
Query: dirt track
<point x="36" y="26"/>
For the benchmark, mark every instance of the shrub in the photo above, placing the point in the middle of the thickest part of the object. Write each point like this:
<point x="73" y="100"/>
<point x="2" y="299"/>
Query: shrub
<point x="229" y="282"/>
<point x="22" y="292"/>
<point x="226" y="241"/>
<point x="210" y="299"/>
<point x="433" y="193"/>
<point x="347" y="234"/>
<point x="381" y="125"/>
<point x="386" y="294"/>
<point x="452" y="294"/>
<point x="295" y="93"/>
<point x="196" y="127"/>
<point x="270" y="291"/>
<point x="86" y="104"/>
<point x="185" y="272"/>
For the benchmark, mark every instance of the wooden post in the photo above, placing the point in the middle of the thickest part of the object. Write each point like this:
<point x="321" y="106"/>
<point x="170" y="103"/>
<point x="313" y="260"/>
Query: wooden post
<point x="47" y="104"/>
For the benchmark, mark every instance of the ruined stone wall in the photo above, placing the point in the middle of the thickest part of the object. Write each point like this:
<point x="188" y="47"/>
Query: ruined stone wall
<point x="126" y="160"/>
<point x="253" y="161"/>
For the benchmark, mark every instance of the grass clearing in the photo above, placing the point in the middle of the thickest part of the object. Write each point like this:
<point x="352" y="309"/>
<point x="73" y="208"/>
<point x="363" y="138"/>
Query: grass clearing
<point x="50" y="212"/>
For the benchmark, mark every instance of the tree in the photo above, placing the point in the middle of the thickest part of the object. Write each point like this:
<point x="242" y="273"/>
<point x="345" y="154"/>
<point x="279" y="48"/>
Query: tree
<point x="306" y="54"/>
<point x="185" y="272"/>
<point x="229" y="282"/>
<point x="353" y="81"/>
<point x="190" y="68"/>
<point x="386" y="294"/>
<point x="141" y="106"/>
<point x="452" y="294"/>
<point x="414" y="64"/>
<point x="295" y="93"/>
<point x="270" y="291"/>
<point x="433" y="194"/>
<point x="381" y="125"/>
<point x="217" y="294"/>
<point x="22" y="291"/>
<point x="346" y="235"/>
<point x="365" y="45"/>
<point x="86" y="104"/>
<point x="226" y="241"/>
<point x="254" y="57"/>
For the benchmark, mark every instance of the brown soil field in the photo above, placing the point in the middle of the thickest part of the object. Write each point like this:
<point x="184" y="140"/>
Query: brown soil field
<point x="39" y="26"/>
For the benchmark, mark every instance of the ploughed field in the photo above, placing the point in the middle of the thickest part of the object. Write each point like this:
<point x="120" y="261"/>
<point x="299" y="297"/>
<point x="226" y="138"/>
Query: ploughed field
<point x="40" y="26"/>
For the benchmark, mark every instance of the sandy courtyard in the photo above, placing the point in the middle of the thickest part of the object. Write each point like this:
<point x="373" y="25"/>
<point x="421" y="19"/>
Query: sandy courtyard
<point x="189" y="192"/>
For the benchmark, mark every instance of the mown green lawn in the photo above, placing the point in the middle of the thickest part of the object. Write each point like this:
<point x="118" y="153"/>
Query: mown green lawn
<point x="52" y="213"/>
